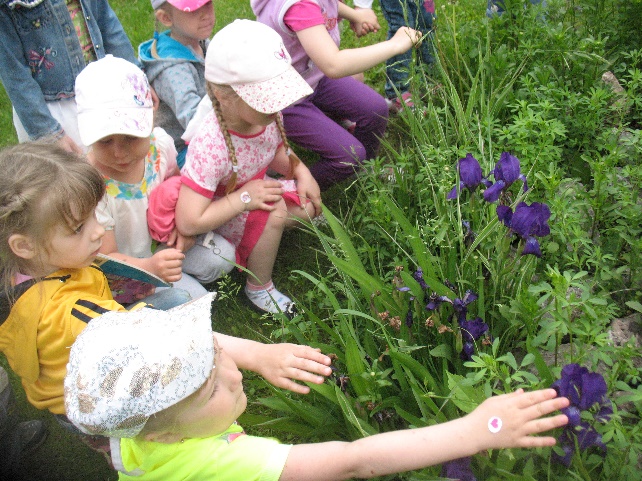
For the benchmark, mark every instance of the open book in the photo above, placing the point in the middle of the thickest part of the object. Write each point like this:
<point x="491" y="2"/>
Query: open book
<point x="128" y="283"/>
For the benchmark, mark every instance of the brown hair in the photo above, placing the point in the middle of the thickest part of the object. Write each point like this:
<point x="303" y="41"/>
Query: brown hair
<point x="42" y="186"/>
<point x="228" y="91"/>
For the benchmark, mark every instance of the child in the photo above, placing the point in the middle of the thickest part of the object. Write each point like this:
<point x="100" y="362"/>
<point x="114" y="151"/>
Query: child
<point x="115" y="116"/>
<point x="174" y="62"/>
<point x="44" y="44"/>
<point x="49" y="236"/>
<point x="186" y="425"/>
<point x="310" y="32"/>
<point x="418" y="14"/>
<point x="224" y="183"/>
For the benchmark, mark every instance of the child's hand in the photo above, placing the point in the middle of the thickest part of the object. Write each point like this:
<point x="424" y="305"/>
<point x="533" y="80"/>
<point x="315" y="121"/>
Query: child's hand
<point x="263" y="193"/>
<point x="69" y="145"/>
<point x="308" y="189"/>
<point x="365" y="21"/>
<point x="405" y="38"/>
<point x="179" y="241"/>
<point x="167" y="264"/>
<point x="282" y="364"/>
<point x="510" y="420"/>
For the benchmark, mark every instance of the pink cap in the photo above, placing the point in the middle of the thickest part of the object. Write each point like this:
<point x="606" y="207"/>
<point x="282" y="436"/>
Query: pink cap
<point x="184" y="5"/>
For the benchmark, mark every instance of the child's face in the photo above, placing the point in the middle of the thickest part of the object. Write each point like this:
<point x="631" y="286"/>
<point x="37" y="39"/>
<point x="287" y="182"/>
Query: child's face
<point x="119" y="154"/>
<point x="217" y="404"/>
<point x="192" y="27"/>
<point x="72" y="248"/>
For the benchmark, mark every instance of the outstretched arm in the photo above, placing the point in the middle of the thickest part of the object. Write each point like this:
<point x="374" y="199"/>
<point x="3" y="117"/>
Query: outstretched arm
<point x="280" y="364"/>
<point x="335" y="63"/>
<point x="521" y="416"/>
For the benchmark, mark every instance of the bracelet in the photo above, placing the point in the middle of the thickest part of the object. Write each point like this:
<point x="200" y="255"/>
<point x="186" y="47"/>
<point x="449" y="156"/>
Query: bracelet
<point x="235" y="208"/>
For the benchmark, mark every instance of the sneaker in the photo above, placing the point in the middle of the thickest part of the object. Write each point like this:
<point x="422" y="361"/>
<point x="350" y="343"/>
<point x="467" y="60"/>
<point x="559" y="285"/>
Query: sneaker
<point x="348" y="124"/>
<point x="271" y="300"/>
<point x="397" y="104"/>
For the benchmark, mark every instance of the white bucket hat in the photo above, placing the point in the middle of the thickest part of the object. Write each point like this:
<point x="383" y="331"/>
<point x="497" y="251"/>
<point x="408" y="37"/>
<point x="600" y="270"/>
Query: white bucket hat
<point x="113" y="97"/>
<point x="250" y="57"/>
<point x="126" y="366"/>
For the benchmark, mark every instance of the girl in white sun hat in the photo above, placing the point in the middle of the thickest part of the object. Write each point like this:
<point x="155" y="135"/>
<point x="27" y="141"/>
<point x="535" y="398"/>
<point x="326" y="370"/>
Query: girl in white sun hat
<point x="224" y="182"/>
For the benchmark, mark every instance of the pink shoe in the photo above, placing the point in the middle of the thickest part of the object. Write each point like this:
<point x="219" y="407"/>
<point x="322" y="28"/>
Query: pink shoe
<point x="396" y="105"/>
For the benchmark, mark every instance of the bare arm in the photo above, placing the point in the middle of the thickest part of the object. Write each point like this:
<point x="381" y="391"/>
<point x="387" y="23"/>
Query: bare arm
<point x="196" y="214"/>
<point x="335" y="63"/>
<point x="280" y="364"/>
<point x="405" y="450"/>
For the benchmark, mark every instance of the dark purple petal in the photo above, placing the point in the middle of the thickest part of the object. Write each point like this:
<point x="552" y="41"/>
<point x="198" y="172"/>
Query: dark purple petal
<point x="522" y="177"/>
<point x="507" y="169"/>
<point x="593" y="390"/>
<point x="568" y="385"/>
<point x="469" y="296"/>
<point x="470" y="172"/>
<point x="532" y="247"/>
<point x="458" y="469"/>
<point x="473" y="330"/>
<point x="453" y="193"/>
<point x="523" y="220"/>
<point x="573" y="414"/>
<point x="605" y="412"/>
<point x="494" y="191"/>
<point x="504" y="214"/>
<point x="541" y="213"/>
<point x="587" y="437"/>
<point x="409" y="318"/>
<point x="566" y="441"/>
<point x="418" y="275"/>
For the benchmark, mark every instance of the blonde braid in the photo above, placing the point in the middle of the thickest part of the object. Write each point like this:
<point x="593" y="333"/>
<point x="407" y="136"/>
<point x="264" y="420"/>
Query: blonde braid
<point x="231" y="185"/>
<point x="294" y="159"/>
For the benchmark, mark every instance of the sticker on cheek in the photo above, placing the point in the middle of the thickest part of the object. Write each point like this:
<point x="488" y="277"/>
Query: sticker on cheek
<point x="494" y="424"/>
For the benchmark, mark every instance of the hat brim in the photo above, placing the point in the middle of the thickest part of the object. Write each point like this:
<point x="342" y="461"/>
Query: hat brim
<point x="273" y="95"/>
<point x="96" y="124"/>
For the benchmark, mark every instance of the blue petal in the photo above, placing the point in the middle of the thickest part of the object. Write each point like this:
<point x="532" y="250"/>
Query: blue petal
<point x="504" y="214"/>
<point x="453" y="193"/>
<point x="470" y="172"/>
<point x="532" y="247"/>
<point x="494" y="191"/>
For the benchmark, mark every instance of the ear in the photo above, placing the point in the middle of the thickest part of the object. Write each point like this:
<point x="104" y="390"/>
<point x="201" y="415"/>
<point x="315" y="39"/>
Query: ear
<point x="164" y="17"/>
<point x="164" y="438"/>
<point x="23" y="246"/>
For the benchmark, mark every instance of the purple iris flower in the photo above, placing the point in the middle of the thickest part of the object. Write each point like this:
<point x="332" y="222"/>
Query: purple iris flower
<point x="506" y="172"/>
<point x="586" y="391"/>
<point x="460" y="305"/>
<point x="418" y="275"/>
<point x="528" y="222"/>
<point x="470" y="176"/>
<point x="458" y="469"/>
<point x="471" y="331"/>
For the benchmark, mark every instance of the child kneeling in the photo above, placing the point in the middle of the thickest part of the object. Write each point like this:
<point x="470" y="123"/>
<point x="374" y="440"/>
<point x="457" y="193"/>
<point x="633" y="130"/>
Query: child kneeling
<point x="171" y="403"/>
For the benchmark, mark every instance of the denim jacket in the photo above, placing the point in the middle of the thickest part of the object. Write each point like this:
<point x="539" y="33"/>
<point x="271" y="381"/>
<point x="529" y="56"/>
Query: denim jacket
<point x="40" y="54"/>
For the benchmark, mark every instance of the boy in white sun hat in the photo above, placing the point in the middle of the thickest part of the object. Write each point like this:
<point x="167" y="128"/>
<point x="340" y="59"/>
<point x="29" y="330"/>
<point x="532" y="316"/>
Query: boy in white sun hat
<point x="169" y="396"/>
<point x="224" y="185"/>
<point x="174" y="62"/>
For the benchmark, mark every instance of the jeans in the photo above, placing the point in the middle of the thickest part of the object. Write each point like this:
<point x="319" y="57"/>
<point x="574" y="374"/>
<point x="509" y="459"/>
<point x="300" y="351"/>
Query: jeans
<point x="417" y="14"/>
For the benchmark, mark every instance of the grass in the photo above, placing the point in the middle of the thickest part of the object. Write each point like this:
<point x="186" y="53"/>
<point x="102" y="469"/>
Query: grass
<point x="63" y="456"/>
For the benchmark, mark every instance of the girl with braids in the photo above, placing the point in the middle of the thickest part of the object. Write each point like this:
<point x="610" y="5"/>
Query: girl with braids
<point x="224" y="183"/>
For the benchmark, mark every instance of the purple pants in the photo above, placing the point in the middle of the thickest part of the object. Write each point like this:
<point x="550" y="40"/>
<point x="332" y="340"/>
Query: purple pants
<point x="312" y="124"/>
